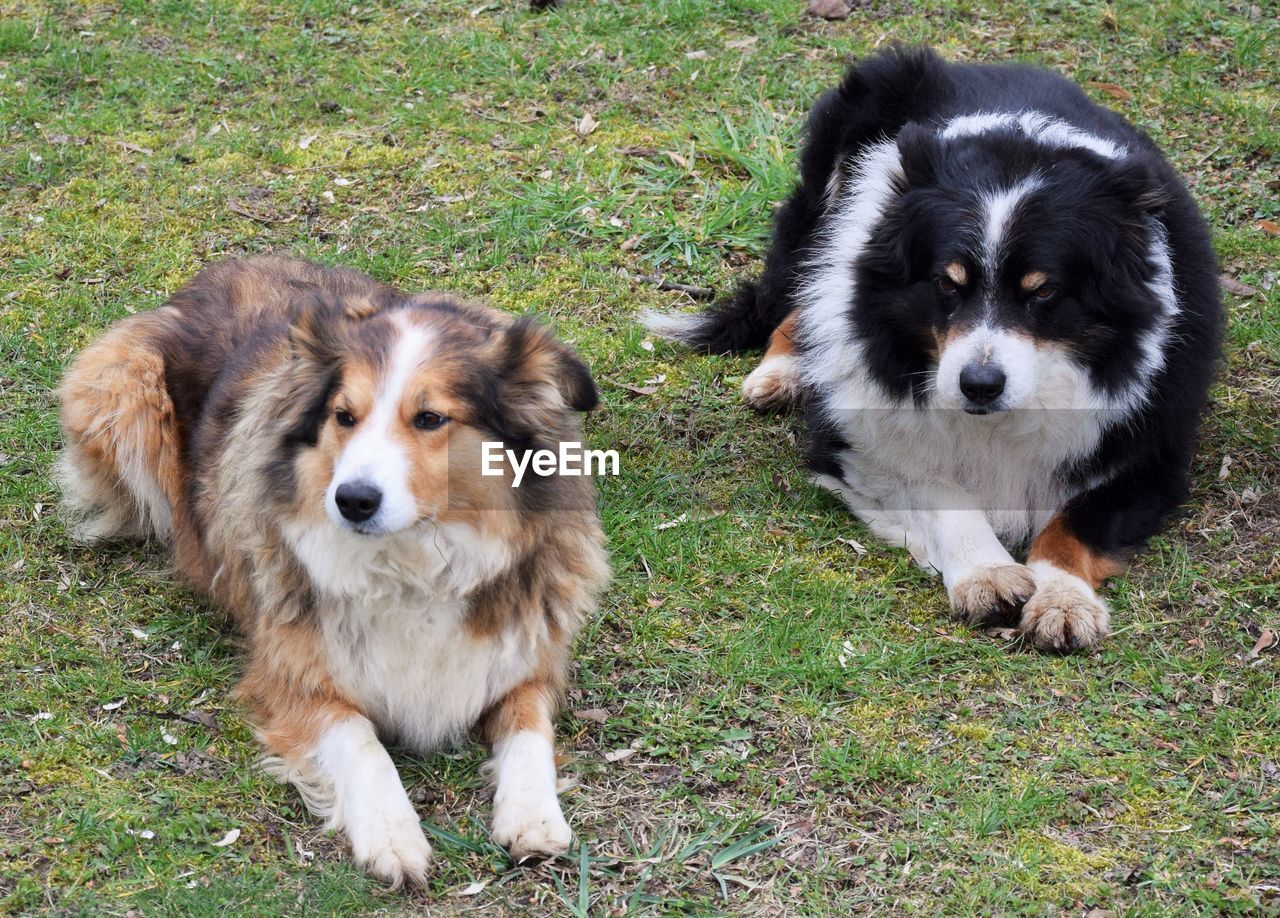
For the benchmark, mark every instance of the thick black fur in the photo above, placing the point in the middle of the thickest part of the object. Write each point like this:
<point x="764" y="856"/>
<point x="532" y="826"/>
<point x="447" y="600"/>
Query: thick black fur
<point x="1098" y="210"/>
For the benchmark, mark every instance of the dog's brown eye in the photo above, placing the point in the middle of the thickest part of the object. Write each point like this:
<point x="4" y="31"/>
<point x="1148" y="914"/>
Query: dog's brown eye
<point x="344" y="418"/>
<point x="429" y="420"/>
<point x="1044" y="292"/>
<point x="945" y="285"/>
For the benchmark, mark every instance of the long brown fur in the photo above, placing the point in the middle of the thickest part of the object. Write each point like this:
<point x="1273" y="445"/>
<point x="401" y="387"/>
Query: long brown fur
<point x="209" y="424"/>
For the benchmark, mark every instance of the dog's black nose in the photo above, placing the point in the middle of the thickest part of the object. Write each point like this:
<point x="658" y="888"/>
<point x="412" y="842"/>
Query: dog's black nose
<point x="357" y="500"/>
<point x="982" y="383"/>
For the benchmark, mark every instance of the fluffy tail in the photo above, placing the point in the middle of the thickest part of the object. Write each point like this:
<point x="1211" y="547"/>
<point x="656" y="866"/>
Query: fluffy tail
<point x="120" y="469"/>
<point x="742" y="322"/>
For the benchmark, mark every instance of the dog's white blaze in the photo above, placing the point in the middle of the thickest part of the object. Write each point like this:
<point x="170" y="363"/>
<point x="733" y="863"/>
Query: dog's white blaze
<point x="367" y="801"/>
<point x="526" y="808"/>
<point x="999" y="208"/>
<point x="1037" y="126"/>
<point x="375" y="454"/>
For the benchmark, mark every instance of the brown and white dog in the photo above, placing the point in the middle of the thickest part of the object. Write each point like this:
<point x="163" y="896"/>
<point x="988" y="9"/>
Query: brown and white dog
<point x="309" y="441"/>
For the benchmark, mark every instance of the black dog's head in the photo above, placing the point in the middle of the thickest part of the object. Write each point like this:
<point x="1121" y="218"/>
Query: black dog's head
<point x="1019" y="265"/>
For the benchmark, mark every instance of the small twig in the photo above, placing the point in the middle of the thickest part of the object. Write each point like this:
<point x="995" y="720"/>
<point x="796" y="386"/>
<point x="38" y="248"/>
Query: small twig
<point x="192" y="717"/>
<point x="698" y="293"/>
<point x="241" y="211"/>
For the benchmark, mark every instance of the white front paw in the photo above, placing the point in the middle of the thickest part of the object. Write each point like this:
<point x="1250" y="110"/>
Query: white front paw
<point x="530" y="827"/>
<point x="392" y="847"/>
<point x="993" y="593"/>
<point x="1065" y="614"/>
<point x="774" y="384"/>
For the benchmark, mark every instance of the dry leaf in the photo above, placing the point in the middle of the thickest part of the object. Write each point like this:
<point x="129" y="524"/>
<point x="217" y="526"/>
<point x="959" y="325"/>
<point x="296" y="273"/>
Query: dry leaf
<point x="473" y="889"/>
<point x="638" y="390"/>
<point x="1266" y="641"/>
<point x="228" y="839"/>
<point x="307" y="141"/>
<point x="1219" y="694"/>
<point x="618" y="755"/>
<point x="585" y="125"/>
<point x="1231" y="285"/>
<point x="742" y="43"/>
<point x="201" y="718"/>
<point x="1114" y="90"/>
<point x="629" y="243"/>
<point x="134" y="148"/>
<point x="1002" y="634"/>
<point x="676" y="158"/>
<point x="669" y="524"/>
<point x="696" y="55"/>
<point x="1224" y="471"/>
<point x="1269" y="226"/>
<point x="829" y="9"/>
<point x="597" y="715"/>
<point x="856" y="546"/>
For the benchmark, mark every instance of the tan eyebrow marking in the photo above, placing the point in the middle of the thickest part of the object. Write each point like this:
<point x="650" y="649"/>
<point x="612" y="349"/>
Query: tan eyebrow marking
<point x="1033" y="280"/>
<point x="956" y="271"/>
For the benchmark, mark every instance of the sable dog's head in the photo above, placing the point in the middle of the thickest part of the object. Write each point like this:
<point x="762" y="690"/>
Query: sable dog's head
<point x="395" y="400"/>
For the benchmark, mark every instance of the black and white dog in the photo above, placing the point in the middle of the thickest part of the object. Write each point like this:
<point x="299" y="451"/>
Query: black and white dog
<point x="998" y="306"/>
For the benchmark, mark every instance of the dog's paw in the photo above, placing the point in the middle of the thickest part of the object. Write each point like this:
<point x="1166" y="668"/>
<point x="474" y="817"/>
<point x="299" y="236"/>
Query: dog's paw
<point x="774" y="385"/>
<point x="531" y="830"/>
<point x="394" y="850"/>
<point x="1065" y="614"/>
<point x="991" y="594"/>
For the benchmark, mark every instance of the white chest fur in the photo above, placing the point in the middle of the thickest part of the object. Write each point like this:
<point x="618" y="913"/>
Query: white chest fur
<point x="393" y="618"/>
<point x="906" y="459"/>
<point x="415" y="669"/>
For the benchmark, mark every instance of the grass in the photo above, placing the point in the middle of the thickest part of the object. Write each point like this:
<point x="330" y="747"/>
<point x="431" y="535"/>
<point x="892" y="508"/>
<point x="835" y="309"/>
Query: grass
<point x="791" y="726"/>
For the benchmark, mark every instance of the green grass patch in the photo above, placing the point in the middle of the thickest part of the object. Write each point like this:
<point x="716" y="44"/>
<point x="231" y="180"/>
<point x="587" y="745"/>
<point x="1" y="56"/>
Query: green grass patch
<point x="809" y="732"/>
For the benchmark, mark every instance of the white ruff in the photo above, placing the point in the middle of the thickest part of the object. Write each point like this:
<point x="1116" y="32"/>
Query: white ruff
<point x="392" y="613"/>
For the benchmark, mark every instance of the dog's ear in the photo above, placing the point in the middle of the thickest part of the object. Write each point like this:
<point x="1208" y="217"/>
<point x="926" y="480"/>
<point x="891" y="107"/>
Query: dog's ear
<point x="315" y="330"/>
<point x="316" y="341"/>
<point x="1136" y="183"/>
<point x="921" y="153"/>
<point x="531" y="360"/>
